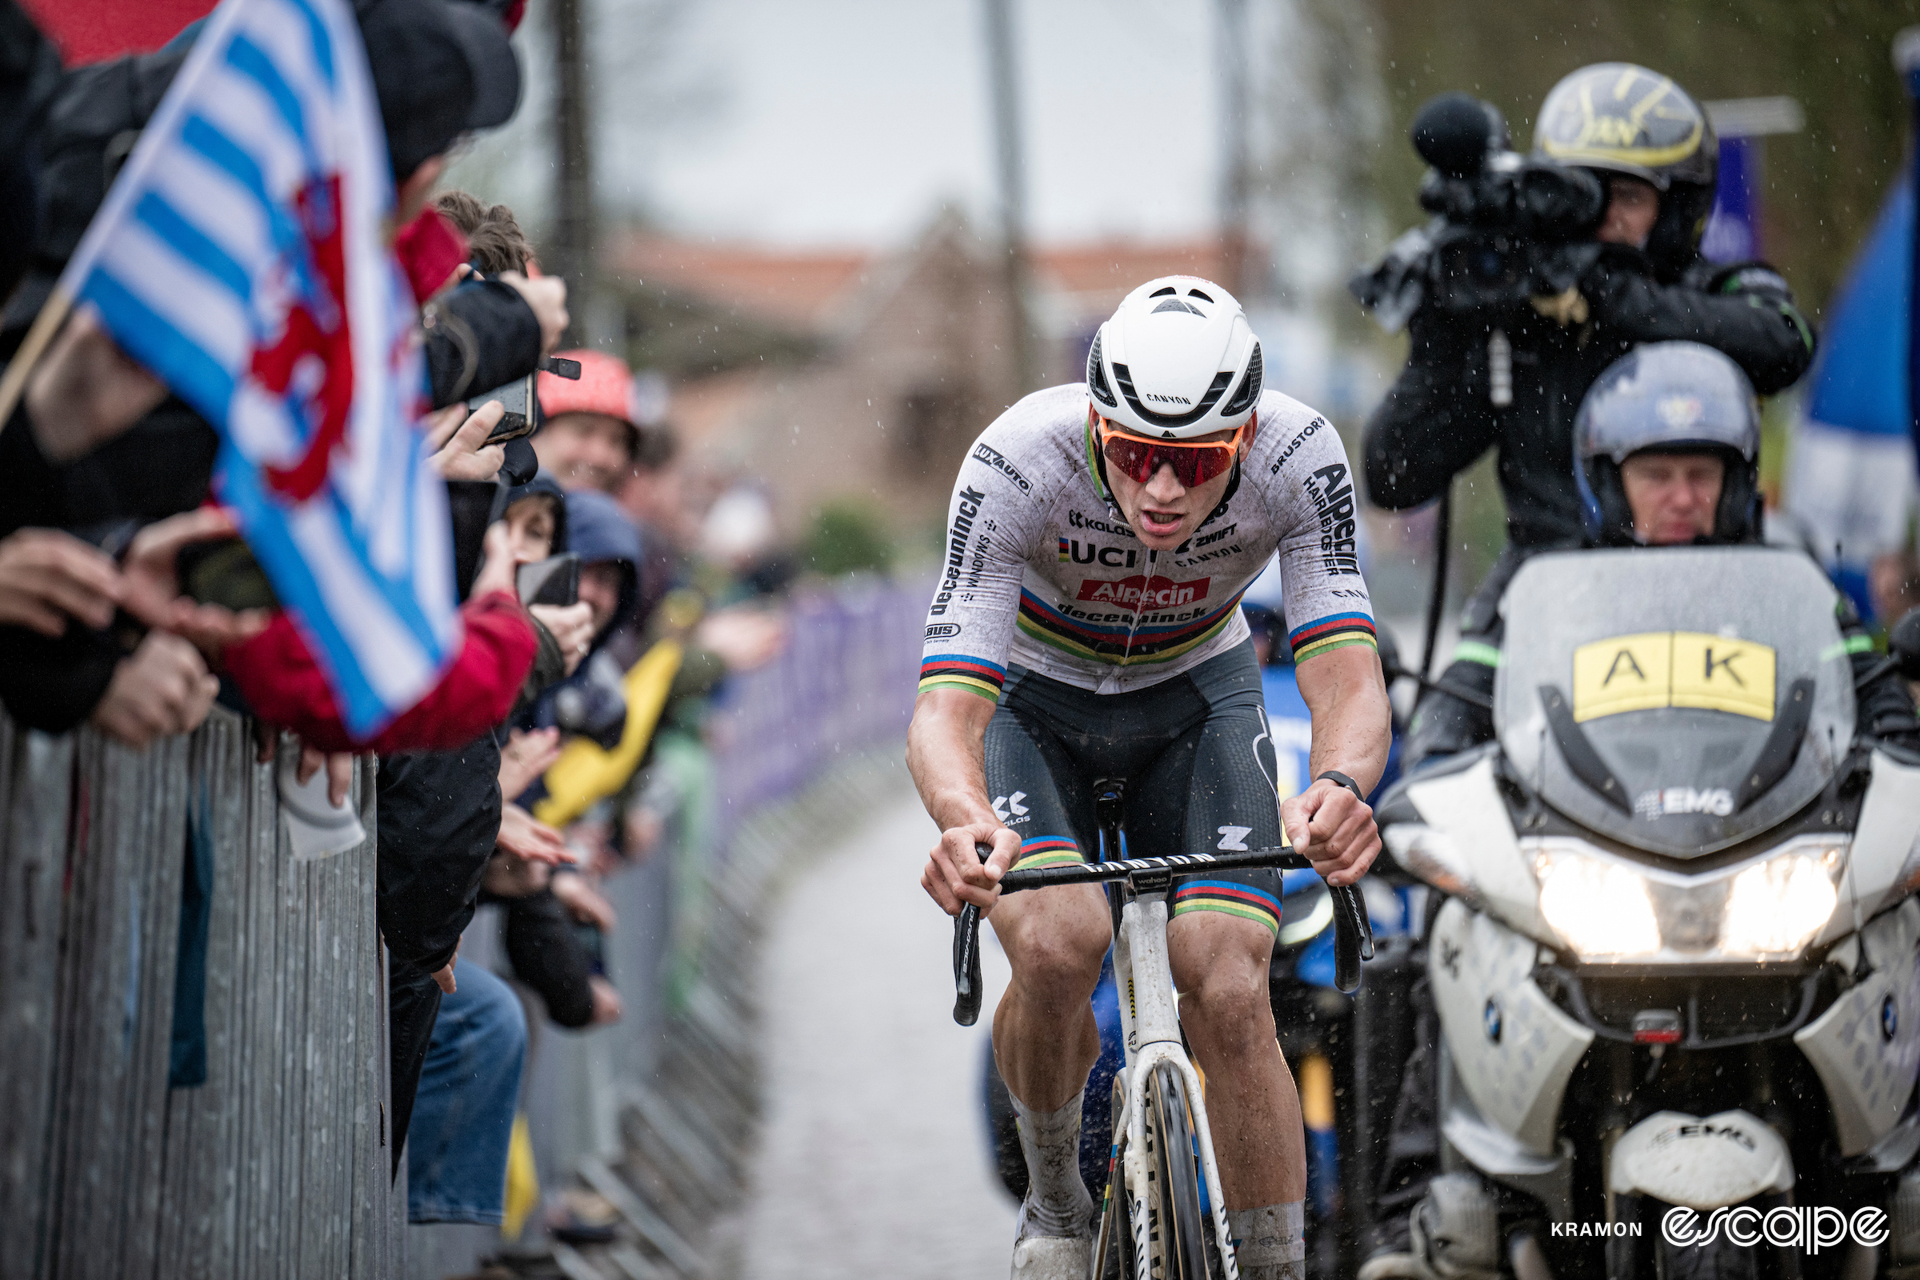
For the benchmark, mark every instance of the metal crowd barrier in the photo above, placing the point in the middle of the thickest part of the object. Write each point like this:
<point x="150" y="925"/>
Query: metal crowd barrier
<point x="192" y="1024"/>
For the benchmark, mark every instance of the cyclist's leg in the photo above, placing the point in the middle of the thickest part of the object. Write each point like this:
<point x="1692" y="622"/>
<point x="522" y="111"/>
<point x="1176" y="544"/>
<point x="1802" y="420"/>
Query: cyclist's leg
<point x="1220" y="943"/>
<point x="1045" y="1038"/>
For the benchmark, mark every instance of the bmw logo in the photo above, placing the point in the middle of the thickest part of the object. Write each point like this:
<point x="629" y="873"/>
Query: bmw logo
<point x="1490" y="1018"/>
<point x="1889" y="1017"/>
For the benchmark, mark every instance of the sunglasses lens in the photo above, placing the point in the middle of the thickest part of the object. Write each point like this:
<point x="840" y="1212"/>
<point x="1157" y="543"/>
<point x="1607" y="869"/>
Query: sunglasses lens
<point x="1137" y="458"/>
<point x="1192" y="464"/>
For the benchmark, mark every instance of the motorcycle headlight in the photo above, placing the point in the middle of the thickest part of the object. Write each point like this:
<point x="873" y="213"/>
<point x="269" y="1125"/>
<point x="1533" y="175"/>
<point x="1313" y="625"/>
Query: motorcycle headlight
<point x="1606" y="909"/>
<point x="1775" y="907"/>
<point x="1601" y="908"/>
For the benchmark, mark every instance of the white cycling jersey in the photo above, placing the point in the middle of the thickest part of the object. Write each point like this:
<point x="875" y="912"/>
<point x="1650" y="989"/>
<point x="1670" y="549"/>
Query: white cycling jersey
<point x="1041" y="569"/>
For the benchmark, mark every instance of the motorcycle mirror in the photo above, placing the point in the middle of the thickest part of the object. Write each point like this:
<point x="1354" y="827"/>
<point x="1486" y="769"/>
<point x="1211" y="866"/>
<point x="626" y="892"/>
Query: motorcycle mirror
<point x="1903" y="644"/>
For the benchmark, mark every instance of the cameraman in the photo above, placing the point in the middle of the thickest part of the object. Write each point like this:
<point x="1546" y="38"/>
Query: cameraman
<point x="1656" y="156"/>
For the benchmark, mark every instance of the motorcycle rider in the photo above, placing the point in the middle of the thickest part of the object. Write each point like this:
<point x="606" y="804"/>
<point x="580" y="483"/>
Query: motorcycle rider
<point x="1668" y="453"/>
<point x="1651" y="146"/>
<point x="1667" y="447"/>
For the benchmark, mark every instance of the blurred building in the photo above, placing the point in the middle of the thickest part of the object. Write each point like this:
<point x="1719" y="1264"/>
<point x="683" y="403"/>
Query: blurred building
<point x="849" y="375"/>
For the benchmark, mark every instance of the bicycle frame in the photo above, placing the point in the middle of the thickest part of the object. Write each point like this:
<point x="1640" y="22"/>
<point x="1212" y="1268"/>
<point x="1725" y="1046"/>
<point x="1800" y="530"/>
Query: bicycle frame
<point x="1150" y="1022"/>
<point x="1150" y="1016"/>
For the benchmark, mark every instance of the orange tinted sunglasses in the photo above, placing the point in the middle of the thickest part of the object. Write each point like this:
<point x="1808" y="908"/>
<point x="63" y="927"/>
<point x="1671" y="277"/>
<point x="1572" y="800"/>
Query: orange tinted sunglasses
<point x="1193" y="462"/>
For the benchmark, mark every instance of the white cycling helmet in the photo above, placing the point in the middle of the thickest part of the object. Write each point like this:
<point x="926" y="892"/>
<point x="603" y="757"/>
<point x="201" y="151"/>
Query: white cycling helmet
<point x="1177" y="360"/>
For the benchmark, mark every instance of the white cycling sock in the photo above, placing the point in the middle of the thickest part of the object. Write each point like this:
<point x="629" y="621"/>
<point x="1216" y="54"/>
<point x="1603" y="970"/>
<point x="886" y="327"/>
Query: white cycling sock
<point x="1057" y="1201"/>
<point x="1270" y="1243"/>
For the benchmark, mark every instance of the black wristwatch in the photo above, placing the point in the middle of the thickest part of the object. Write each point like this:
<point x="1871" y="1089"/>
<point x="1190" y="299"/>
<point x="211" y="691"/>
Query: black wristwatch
<point x="1339" y="779"/>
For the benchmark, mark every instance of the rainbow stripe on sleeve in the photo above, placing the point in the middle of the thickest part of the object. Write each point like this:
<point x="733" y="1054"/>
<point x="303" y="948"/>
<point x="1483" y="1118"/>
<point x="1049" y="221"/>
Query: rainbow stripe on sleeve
<point x="958" y="671"/>
<point x="1328" y="634"/>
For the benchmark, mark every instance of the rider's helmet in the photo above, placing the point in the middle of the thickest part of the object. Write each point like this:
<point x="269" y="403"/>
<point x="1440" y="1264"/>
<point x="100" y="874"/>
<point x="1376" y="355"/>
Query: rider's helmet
<point x="1668" y="397"/>
<point x="1177" y="360"/>
<point x="1620" y="118"/>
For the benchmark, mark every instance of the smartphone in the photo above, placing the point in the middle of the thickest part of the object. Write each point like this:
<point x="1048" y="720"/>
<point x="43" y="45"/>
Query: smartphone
<point x="555" y="580"/>
<point x="521" y="399"/>
<point x="224" y="573"/>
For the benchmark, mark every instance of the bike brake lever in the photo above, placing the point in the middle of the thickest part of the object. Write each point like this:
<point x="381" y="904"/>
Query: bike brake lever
<point x="966" y="957"/>
<point x="1352" y="937"/>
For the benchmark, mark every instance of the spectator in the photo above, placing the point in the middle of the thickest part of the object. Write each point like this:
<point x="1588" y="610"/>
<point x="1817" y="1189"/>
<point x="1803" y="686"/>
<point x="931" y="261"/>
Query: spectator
<point x="589" y="438"/>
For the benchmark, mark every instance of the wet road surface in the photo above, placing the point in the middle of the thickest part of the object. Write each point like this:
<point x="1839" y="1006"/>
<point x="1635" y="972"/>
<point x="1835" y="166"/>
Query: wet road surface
<point x="872" y="1159"/>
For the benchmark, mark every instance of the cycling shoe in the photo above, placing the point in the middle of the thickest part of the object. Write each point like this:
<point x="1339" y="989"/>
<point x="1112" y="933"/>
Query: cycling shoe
<point x="1052" y="1258"/>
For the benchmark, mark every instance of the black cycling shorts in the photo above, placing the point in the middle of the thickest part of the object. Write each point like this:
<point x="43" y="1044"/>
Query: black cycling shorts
<point x="1195" y="756"/>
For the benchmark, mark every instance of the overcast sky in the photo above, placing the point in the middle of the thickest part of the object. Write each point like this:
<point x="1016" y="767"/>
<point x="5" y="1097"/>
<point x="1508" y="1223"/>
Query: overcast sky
<point x="850" y="121"/>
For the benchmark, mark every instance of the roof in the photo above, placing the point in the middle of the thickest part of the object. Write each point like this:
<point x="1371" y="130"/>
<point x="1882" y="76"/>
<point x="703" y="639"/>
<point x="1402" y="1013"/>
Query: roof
<point x="800" y="289"/>
<point x="810" y="289"/>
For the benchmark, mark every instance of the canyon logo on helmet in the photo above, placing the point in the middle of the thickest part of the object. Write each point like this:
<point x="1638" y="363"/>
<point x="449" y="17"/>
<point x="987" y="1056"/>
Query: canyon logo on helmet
<point x="1177" y="360"/>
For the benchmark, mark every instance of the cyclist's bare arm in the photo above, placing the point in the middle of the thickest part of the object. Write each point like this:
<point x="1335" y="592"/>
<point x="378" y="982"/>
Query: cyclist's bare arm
<point x="947" y="757"/>
<point x="1352" y="728"/>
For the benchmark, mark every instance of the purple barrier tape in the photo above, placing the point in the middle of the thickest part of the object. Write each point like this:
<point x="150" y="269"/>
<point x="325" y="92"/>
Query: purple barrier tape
<point x="844" y="684"/>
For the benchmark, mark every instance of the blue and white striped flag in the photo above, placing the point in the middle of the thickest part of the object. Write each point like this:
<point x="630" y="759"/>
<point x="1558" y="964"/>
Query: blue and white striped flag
<point x="241" y="257"/>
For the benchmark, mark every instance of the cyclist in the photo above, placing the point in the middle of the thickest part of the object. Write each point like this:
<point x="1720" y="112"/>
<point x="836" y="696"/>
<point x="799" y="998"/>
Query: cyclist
<point x="1087" y="626"/>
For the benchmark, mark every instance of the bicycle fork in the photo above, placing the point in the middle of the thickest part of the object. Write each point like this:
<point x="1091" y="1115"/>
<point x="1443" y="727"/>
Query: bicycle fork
<point x="1150" y="1026"/>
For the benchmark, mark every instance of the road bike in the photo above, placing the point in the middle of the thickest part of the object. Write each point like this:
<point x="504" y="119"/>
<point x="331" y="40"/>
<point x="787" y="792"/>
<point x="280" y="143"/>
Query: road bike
<point x="1163" y="1185"/>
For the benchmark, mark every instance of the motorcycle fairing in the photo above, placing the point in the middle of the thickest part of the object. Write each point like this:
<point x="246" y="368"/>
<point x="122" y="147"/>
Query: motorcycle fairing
<point x="1884" y="861"/>
<point x="1866" y="1046"/>
<point x="1679" y="700"/>
<point x="1513" y="1049"/>
<point x="1702" y="1163"/>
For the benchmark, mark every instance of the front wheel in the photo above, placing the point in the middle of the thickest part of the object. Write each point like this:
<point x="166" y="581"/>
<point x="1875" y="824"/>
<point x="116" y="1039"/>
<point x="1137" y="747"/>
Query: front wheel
<point x="1176" y="1227"/>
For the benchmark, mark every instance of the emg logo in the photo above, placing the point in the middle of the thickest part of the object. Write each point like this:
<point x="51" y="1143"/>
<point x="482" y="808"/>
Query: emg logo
<point x="1809" y="1228"/>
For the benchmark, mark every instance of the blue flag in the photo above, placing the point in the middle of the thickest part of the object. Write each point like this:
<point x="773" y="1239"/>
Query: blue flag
<point x="241" y="257"/>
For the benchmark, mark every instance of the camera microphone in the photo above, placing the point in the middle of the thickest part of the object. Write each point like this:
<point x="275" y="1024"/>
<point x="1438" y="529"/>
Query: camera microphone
<point x="1455" y="133"/>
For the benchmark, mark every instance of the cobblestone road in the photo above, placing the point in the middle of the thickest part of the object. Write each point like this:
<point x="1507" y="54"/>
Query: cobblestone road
<point x="873" y="1159"/>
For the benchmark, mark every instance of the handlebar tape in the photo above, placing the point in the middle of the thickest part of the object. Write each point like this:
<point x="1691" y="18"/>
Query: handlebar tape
<point x="967" y="984"/>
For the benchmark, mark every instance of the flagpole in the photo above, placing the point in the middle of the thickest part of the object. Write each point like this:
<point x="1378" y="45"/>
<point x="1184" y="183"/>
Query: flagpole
<point x="14" y="382"/>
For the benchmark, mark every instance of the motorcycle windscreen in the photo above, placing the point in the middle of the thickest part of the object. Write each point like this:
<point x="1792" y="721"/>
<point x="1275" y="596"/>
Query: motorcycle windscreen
<point x="1677" y="699"/>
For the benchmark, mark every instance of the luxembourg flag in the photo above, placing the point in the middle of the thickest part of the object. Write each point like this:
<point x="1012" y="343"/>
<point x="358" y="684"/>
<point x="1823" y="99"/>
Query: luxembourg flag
<point x="241" y="257"/>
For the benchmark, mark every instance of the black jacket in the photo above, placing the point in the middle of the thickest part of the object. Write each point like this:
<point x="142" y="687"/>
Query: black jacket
<point x="1438" y="418"/>
<point x="543" y="945"/>
<point x="480" y="336"/>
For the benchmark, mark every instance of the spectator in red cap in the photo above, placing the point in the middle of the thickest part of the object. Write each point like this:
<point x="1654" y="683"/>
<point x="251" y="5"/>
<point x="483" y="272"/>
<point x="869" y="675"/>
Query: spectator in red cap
<point x="590" y="435"/>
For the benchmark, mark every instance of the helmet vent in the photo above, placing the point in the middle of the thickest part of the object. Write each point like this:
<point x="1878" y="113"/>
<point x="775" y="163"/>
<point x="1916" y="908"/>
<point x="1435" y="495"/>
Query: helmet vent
<point x="1167" y="292"/>
<point x="1174" y="304"/>
<point x="1097" y="377"/>
<point x="1249" y="393"/>
<point x="1195" y="293"/>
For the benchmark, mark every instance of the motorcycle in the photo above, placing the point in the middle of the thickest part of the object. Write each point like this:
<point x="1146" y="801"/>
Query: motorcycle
<point x="1677" y="962"/>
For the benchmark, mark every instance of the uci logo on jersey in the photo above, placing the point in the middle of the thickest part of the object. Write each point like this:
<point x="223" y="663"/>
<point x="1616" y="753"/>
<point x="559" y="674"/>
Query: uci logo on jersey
<point x="1655" y="669"/>
<point x="1071" y="552"/>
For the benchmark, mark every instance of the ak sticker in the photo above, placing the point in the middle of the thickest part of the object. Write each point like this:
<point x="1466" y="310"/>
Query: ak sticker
<point x="1673" y="669"/>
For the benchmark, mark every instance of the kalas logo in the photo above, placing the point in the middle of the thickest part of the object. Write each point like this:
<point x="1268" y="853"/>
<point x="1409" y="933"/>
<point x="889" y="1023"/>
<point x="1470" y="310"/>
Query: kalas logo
<point x="1141" y="591"/>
